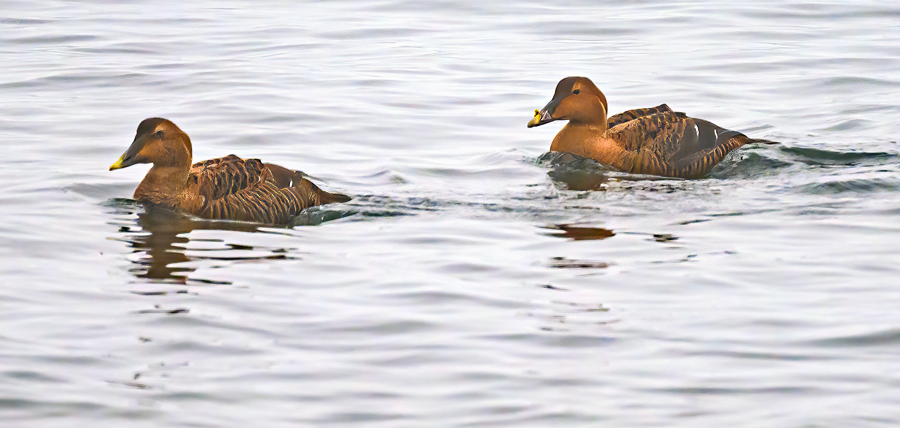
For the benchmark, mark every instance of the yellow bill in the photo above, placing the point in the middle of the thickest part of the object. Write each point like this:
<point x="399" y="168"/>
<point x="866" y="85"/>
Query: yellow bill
<point x="536" y="120"/>
<point x="118" y="164"/>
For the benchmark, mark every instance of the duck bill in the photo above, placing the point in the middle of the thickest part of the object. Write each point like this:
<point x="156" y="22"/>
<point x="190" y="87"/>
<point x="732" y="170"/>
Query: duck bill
<point x="119" y="164"/>
<point x="130" y="157"/>
<point x="544" y="115"/>
<point x="540" y="117"/>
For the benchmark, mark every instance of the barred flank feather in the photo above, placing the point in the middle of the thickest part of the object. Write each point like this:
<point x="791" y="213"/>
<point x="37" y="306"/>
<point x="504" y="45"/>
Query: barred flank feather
<point x="246" y="190"/>
<point x="671" y="144"/>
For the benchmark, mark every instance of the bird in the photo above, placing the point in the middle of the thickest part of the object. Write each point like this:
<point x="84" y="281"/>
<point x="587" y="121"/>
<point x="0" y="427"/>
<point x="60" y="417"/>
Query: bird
<point x="226" y="188"/>
<point x="654" y="140"/>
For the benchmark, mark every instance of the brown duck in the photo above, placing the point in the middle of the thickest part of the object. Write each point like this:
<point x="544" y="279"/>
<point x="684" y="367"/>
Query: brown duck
<point x="228" y="188"/>
<point x="654" y="140"/>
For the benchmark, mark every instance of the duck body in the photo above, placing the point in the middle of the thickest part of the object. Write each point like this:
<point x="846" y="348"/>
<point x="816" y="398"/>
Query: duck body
<point x="227" y="188"/>
<point x="655" y="140"/>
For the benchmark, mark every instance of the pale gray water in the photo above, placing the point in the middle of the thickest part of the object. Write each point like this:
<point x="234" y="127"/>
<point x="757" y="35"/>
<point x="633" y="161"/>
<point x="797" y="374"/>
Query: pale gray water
<point x="447" y="293"/>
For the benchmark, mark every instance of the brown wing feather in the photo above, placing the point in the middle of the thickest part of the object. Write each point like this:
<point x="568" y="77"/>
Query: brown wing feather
<point x="223" y="176"/>
<point x="248" y="190"/>
<point x="673" y="144"/>
<point x="630" y="115"/>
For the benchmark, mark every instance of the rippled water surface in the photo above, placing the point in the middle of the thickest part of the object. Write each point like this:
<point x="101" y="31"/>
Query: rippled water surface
<point x="474" y="280"/>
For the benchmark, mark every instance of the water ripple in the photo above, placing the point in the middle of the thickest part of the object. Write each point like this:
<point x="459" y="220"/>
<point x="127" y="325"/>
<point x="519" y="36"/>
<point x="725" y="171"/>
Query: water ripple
<point x="474" y="280"/>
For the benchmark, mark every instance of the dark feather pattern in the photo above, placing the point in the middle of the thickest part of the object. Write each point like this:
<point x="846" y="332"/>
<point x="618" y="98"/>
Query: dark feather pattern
<point x="246" y="190"/>
<point x="630" y="115"/>
<point x="672" y="144"/>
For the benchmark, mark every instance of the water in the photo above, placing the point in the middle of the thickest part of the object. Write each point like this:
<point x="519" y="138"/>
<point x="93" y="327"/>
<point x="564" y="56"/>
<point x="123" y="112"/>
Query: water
<point x="473" y="281"/>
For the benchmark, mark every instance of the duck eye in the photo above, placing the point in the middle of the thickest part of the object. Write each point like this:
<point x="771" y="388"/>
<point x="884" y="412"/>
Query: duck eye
<point x="158" y="134"/>
<point x="576" y="91"/>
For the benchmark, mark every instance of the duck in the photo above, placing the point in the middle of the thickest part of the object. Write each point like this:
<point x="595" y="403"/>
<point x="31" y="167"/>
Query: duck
<point x="653" y="141"/>
<point x="226" y="188"/>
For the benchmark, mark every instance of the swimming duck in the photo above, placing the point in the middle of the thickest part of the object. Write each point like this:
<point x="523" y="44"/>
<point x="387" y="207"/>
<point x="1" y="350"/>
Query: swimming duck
<point x="228" y="188"/>
<point x="655" y="140"/>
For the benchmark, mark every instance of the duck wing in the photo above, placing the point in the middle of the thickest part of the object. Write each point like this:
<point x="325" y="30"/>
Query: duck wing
<point x="675" y="145"/>
<point x="249" y="190"/>
<point x="629" y="115"/>
<point x="225" y="176"/>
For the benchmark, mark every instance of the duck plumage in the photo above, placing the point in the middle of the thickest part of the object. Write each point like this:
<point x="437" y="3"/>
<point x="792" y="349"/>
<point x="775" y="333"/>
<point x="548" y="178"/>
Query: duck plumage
<point x="655" y="140"/>
<point x="227" y="188"/>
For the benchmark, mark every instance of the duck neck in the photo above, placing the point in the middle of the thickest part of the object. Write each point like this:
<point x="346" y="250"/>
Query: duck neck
<point x="163" y="184"/>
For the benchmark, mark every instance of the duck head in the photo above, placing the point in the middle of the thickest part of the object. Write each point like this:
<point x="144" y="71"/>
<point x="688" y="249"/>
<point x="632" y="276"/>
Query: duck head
<point x="160" y="142"/>
<point x="577" y="100"/>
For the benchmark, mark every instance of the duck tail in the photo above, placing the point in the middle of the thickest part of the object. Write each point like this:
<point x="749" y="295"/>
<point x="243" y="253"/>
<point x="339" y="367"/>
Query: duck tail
<point x="329" y="198"/>
<point x="759" y="141"/>
<point x="315" y="193"/>
<point x="285" y="178"/>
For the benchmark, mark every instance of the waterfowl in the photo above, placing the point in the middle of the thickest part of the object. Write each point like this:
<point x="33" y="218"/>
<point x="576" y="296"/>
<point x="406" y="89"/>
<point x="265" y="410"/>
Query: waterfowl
<point x="655" y="140"/>
<point x="228" y="188"/>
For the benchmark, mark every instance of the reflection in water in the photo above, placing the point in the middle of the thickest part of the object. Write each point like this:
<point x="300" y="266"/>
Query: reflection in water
<point x="163" y="240"/>
<point x="564" y="263"/>
<point x="576" y="172"/>
<point x="579" y="233"/>
<point x="664" y="237"/>
<point x="156" y="264"/>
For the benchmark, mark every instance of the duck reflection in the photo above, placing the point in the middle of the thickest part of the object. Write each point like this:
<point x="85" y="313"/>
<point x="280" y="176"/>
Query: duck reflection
<point x="578" y="233"/>
<point x="162" y="241"/>
<point x="575" y="172"/>
<point x="162" y="248"/>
